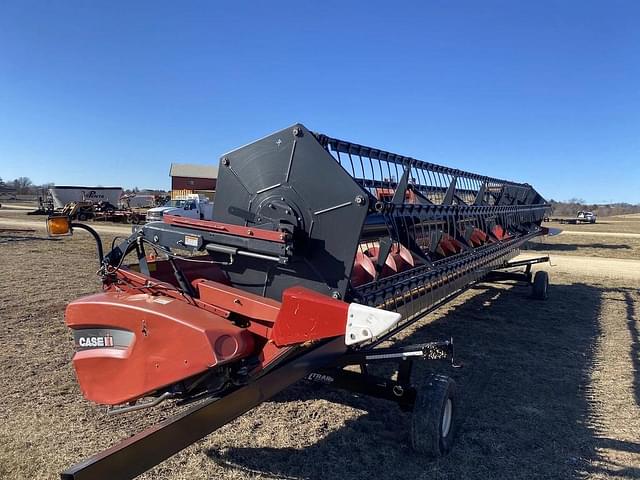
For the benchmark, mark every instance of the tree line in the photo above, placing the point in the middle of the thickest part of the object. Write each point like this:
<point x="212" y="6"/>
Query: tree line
<point x="24" y="185"/>
<point x="570" y="208"/>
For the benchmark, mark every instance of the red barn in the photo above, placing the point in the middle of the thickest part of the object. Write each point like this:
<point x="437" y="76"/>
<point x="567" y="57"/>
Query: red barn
<point x="188" y="178"/>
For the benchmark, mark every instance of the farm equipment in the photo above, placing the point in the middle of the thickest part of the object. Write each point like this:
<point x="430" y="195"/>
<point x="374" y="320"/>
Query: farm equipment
<point x="109" y="213"/>
<point x="581" y="217"/>
<point x="79" y="210"/>
<point x="45" y="205"/>
<point x="318" y="252"/>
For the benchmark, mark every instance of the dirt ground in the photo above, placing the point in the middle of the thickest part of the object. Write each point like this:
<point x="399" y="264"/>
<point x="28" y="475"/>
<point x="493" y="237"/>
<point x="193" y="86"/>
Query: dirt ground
<point x="548" y="389"/>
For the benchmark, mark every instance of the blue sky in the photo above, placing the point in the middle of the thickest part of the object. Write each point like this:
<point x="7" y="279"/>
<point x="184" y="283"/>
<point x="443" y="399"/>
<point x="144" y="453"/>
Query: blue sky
<point x="111" y="93"/>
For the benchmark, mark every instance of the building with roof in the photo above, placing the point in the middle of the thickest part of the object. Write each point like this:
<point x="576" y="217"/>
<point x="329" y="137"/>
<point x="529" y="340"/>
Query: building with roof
<point x="189" y="178"/>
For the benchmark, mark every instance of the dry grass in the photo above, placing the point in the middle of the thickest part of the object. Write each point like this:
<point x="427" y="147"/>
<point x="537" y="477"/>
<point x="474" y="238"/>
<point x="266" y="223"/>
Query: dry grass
<point x="549" y="389"/>
<point x="618" y="224"/>
<point x="597" y="245"/>
<point x="588" y="246"/>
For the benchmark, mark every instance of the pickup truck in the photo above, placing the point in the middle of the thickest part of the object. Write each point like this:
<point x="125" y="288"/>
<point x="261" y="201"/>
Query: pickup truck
<point x="191" y="206"/>
<point x="587" y="217"/>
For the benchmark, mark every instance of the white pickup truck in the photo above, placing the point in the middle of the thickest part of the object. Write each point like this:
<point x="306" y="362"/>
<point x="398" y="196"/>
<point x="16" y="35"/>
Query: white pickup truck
<point x="191" y="206"/>
<point x="586" y="217"/>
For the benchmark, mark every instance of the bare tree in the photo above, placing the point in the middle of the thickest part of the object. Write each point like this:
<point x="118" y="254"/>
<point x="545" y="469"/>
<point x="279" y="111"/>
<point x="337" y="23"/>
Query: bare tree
<point x="22" y="184"/>
<point x="570" y="208"/>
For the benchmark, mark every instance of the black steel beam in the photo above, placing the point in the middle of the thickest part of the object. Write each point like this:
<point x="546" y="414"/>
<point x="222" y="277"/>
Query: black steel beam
<point x="370" y="385"/>
<point x="439" y="350"/>
<point x="497" y="276"/>
<point x="524" y="263"/>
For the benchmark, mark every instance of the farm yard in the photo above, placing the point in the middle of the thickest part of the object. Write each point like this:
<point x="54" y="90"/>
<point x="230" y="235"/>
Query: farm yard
<point x="548" y="389"/>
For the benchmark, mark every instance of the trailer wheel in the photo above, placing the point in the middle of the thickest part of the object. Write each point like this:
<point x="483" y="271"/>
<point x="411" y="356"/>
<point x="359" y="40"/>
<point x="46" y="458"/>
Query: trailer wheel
<point x="435" y="416"/>
<point x="540" y="285"/>
<point x="82" y="217"/>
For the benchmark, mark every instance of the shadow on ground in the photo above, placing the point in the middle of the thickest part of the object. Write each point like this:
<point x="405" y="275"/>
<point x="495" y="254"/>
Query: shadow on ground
<point x="632" y="325"/>
<point x="523" y="390"/>
<point x="24" y="238"/>
<point x="571" y="247"/>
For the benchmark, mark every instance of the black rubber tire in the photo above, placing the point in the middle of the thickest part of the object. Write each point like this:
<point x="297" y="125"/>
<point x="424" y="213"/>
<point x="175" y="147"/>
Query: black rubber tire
<point x="427" y="420"/>
<point x="135" y="219"/>
<point x="82" y="217"/>
<point x="540" y="285"/>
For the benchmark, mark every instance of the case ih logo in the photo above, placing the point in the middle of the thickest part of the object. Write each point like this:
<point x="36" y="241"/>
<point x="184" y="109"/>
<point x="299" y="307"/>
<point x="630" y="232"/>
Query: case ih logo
<point x="95" y="342"/>
<point x="86" y="338"/>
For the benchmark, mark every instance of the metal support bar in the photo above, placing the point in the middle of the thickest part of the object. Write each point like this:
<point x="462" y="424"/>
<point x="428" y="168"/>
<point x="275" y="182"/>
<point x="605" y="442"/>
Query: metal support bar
<point x="439" y="350"/>
<point x="524" y="263"/>
<point x="500" y="276"/>
<point x="370" y="385"/>
<point x="404" y="371"/>
<point x="142" y="258"/>
<point x="185" y="286"/>
<point x="401" y="188"/>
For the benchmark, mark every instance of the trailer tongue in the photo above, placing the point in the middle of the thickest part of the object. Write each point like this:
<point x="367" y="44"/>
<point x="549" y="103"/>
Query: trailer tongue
<point x="318" y="251"/>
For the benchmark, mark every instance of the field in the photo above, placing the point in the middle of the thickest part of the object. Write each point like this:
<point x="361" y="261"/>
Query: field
<point x="549" y="389"/>
<point x="615" y="237"/>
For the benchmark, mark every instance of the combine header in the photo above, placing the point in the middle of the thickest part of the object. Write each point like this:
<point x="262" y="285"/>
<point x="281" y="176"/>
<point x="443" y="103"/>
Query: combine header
<point x="319" y="250"/>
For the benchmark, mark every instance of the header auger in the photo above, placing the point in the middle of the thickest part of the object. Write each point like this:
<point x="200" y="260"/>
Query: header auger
<point x="319" y="250"/>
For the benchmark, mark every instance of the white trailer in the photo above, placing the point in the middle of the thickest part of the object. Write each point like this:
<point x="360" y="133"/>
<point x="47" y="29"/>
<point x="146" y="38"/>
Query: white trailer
<point x="63" y="194"/>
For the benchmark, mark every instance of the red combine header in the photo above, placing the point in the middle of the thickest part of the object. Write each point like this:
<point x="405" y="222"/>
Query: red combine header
<point x="319" y="250"/>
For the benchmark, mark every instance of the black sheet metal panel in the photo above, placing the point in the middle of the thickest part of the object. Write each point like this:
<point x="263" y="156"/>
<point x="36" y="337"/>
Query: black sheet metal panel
<point x="146" y="449"/>
<point x="288" y="178"/>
